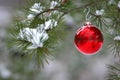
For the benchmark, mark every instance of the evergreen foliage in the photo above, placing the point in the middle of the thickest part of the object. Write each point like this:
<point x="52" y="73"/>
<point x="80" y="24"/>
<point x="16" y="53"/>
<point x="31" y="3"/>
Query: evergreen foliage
<point x="38" y="27"/>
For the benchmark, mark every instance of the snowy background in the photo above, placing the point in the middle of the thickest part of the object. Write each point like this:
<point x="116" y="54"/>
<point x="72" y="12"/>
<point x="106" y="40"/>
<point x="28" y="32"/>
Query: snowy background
<point x="68" y="64"/>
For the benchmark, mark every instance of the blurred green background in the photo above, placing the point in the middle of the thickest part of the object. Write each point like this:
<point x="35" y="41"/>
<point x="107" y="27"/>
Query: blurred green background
<point x="66" y="64"/>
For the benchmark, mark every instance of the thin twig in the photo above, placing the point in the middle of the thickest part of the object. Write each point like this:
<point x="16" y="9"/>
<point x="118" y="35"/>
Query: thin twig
<point x="83" y="6"/>
<point x="70" y="10"/>
<point x="62" y="16"/>
<point x="49" y="10"/>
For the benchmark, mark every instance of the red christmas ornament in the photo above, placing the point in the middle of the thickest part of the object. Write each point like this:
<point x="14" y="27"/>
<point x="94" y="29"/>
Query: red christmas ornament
<point x="88" y="39"/>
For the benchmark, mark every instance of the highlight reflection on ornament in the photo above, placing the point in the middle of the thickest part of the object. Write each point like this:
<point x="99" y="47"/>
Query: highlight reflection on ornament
<point x="88" y="39"/>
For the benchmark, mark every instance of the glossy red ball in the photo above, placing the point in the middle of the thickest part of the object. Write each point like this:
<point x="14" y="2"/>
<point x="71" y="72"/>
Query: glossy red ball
<point x="88" y="39"/>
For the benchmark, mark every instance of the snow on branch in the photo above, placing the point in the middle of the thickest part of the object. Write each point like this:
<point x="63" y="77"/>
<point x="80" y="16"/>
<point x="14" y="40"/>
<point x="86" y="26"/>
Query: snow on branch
<point x="117" y="38"/>
<point x="38" y="35"/>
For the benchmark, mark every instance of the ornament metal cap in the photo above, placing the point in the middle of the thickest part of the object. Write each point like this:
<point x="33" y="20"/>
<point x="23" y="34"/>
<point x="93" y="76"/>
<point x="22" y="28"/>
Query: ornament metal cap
<point x="87" y="23"/>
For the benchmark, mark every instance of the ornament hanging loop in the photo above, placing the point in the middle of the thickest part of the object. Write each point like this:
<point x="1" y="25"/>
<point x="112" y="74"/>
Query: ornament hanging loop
<point x="87" y="17"/>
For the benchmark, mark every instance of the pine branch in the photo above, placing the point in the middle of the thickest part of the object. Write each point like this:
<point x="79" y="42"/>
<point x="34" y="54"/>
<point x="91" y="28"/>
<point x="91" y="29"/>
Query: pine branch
<point x="70" y="10"/>
<point x="114" y="72"/>
<point x="38" y="22"/>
